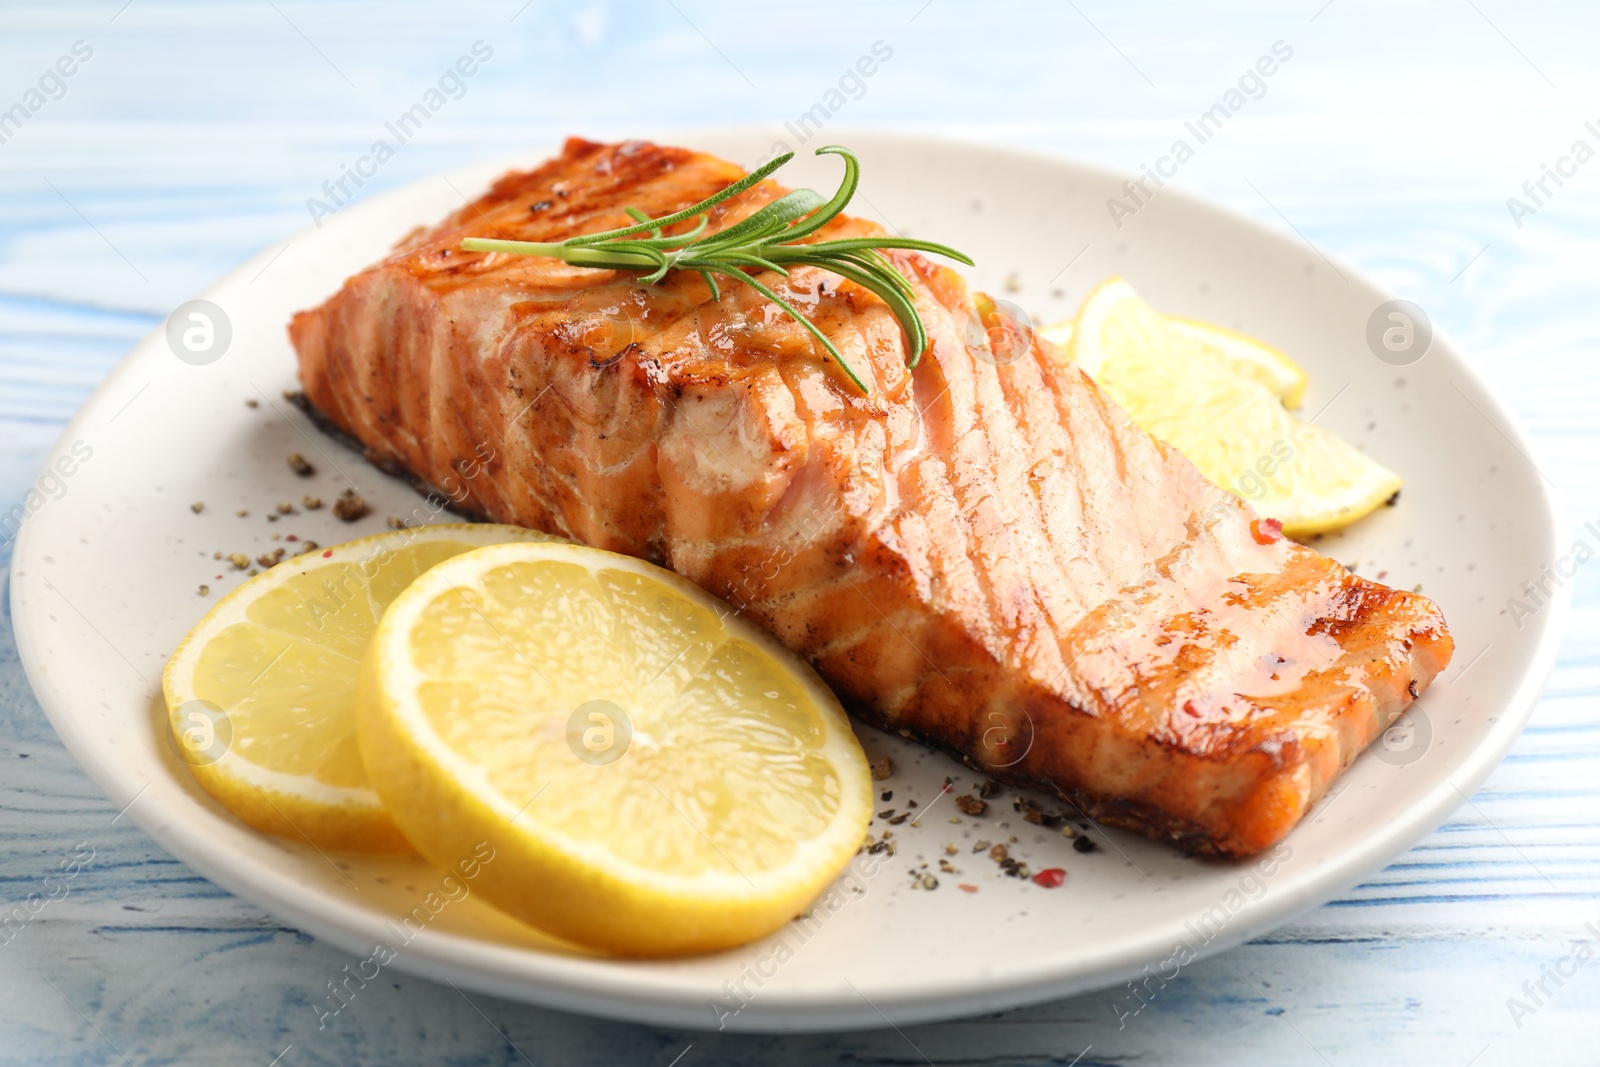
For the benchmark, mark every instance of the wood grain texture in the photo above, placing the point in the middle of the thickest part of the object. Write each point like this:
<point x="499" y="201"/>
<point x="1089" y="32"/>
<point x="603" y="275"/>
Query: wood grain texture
<point x="195" y="135"/>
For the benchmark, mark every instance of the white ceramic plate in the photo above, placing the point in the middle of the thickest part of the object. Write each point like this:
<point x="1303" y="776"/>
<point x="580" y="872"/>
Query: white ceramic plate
<point x="104" y="584"/>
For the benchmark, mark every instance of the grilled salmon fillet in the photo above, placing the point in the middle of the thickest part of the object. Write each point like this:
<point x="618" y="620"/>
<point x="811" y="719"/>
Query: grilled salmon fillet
<point x="984" y="553"/>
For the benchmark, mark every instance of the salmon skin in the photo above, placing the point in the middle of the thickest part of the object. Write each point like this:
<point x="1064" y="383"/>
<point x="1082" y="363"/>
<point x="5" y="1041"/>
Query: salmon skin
<point x="984" y="553"/>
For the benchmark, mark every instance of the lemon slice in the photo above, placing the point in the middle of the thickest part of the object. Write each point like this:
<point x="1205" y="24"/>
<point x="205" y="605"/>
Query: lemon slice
<point x="1246" y="357"/>
<point x="1223" y="348"/>
<point x="650" y="774"/>
<point x="1060" y="334"/>
<point x="261" y="694"/>
<point x="1229" y="425"/>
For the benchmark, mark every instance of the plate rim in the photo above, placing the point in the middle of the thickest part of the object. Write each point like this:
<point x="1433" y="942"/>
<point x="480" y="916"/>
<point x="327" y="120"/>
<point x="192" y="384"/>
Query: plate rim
<point x="599" y="987"/>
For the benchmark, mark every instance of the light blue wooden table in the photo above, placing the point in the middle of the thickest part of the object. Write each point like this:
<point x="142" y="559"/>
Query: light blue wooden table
<point x="190" y="135"/>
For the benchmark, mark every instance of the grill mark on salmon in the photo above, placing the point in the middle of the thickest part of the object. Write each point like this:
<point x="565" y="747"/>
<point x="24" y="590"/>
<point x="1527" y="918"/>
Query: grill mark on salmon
<point x="984" y="553"/>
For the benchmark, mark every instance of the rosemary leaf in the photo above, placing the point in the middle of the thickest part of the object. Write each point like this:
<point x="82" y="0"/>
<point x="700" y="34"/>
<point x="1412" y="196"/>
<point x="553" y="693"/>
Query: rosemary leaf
<point x="769" y="239"/>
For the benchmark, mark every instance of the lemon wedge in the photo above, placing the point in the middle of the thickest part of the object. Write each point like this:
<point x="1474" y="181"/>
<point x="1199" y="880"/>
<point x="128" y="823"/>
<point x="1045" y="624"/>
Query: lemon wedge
<point x="1192" y="394"/>
<point x="261" y="694"/>
<point x="649" y="773"/>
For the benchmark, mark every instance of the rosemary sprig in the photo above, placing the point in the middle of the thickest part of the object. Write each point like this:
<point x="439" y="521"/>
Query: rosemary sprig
<point x="769" y="239"/>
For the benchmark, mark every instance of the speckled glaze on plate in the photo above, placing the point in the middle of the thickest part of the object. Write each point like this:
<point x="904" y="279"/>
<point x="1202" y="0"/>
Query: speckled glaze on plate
<point x="105" y="577"/>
